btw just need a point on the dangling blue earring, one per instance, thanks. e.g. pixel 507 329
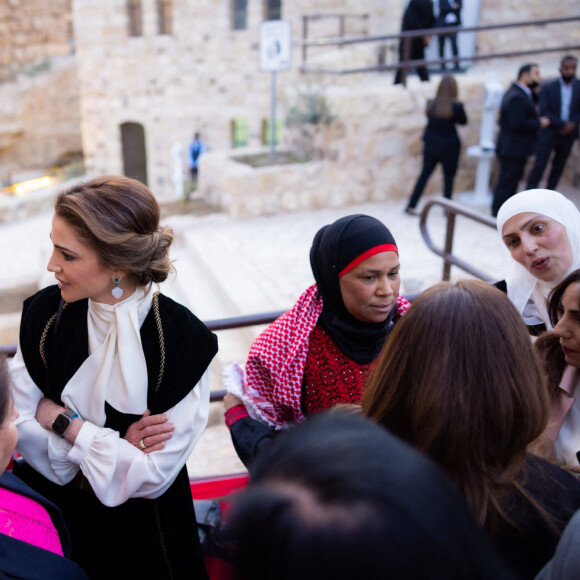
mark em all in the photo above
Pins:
pixel 116 291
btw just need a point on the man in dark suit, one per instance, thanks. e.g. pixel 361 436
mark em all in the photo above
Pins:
pixel 518 127
pixel 560 102
pixel 418 16
pixel 449 15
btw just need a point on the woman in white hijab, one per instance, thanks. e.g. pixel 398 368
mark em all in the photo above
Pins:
pixel 541 229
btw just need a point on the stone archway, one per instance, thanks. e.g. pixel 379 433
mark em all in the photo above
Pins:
pixel 134 151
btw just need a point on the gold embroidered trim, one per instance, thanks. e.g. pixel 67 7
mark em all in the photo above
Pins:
pixel 159 330
pixel 45 333
pixel 161 340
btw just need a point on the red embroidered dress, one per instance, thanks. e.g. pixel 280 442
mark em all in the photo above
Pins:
pixel 330 377
pixel 270 384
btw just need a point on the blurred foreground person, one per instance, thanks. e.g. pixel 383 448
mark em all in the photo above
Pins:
pixel 339 497
pixel 465 386
pixel 33 534
pixel 565 565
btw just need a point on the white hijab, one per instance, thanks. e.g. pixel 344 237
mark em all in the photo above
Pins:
pixel 522 287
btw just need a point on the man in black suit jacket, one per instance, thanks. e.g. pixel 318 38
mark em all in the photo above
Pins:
pixel 518 126
pixel 449 15
pixel 560 102
pixel 418 16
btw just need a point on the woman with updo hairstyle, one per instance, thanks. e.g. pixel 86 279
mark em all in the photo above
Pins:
pixel 459 380
pixel 106 378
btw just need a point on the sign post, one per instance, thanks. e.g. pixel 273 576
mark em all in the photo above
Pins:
pixel 275 52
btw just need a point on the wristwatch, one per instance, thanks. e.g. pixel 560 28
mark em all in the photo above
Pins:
pixel 61 423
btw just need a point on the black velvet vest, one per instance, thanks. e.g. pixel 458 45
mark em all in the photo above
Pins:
pixel 141 538
pixel 187 344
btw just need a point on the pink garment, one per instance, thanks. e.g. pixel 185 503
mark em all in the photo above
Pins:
pixel 560 405
pixel 24 519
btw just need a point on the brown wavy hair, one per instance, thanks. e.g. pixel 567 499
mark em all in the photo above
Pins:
pixel 118 218
pixel 548 346
pixel 442 105
pixel 460 380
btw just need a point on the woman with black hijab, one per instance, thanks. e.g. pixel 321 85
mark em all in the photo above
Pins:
pixel 318 354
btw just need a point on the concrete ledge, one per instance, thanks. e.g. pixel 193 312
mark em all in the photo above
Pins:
pixel 245 192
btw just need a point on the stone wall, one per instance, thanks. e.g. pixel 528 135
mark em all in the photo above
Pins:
pixel 204 75
pixel 373 148
pixel 39 118
pixel 513 39
pixel 200 77
pixel 39 97
pixel 32 32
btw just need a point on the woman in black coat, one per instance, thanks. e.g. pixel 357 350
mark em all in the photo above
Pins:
pixel 418 16
pixel 442 144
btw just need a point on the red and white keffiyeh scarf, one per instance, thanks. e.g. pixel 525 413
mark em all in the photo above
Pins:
pixel 270 385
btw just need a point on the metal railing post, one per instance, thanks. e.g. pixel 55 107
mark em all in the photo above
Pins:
pixel 304 38
pixel 406 56
pixel 449 233
pixel 453 209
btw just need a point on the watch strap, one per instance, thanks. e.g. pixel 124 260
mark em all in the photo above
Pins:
pixel 71 414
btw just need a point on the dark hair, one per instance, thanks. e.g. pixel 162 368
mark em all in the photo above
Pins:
pixel 548 344
pixel 5 395
pixel 460 380
pixel 118 218
pixel 567 58
pixel 526 69
pixel 442 105
pixel 555 309
pixel 339 497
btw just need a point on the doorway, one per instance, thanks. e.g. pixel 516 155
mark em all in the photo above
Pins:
pixel 134 152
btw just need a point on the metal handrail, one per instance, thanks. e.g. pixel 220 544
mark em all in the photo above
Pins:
pixel 405 64
pixel 453 209
pixel 220 324
pixel 341 17
pixel 242 321
pixel 238 322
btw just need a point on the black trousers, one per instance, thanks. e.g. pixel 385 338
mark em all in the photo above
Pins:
pixel 448 158
pixel 417 53
pixel 549 141
pixel 453 40
pixel 511 170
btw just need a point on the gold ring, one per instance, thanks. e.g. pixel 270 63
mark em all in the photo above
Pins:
pixel 142 443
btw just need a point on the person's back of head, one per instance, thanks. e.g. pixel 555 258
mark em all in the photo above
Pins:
pixel 340 497
pixel 461 381
pixel 442 105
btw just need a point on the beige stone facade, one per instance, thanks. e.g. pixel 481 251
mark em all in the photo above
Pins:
pixel 32 32
pixel 204 74
pixel 39 97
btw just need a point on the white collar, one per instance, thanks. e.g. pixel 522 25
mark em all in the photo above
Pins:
pixel 116 370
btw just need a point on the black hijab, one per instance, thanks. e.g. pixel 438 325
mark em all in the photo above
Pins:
pixel 341 246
